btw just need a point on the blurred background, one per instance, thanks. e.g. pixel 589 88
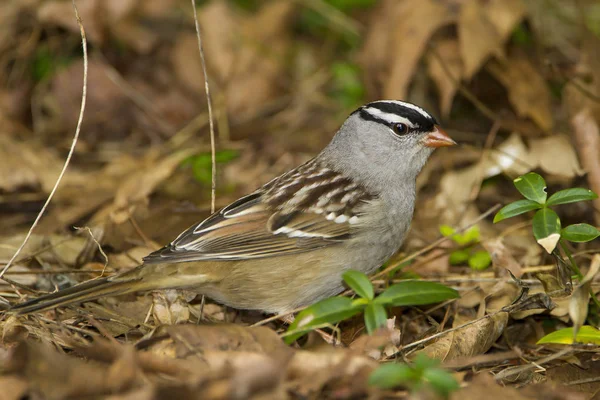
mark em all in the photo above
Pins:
pixel 515 82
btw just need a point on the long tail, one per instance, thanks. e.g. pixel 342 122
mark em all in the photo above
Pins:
pixel 86 291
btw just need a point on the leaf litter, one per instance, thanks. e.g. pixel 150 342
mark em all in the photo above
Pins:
pixel 130 185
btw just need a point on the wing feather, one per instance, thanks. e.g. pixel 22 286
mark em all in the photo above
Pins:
pixel 286 216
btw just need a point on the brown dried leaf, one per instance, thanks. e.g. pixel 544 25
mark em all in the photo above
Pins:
pixel 448 76
pixel 410 40
pixel 101 17
pixel 527 89
pixel 58 376
pixel 473 339
pixel 556 156
pixel 13 388
pixel 253 67
pixel 65 249
pixel 136 188
pixel 170 308
pixel 484 386
pixel 502 259
pixel 587 137
pixel 382 343
pixel 483 27
pixel 587 373
pixel 375 55
pixel 58 12
pixel 27 164
pixel 190 339
pixel 188 68
pixel 578 305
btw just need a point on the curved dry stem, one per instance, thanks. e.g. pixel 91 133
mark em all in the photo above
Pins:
pixel 71 150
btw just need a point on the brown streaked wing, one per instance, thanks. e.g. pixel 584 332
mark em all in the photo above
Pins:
pixel 237 233
pixel 307 208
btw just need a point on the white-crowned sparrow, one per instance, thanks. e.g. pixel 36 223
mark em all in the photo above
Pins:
pixel 287 244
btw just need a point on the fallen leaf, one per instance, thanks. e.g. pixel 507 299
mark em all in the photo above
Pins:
pixel 502 259
pixel 136 188
pixel 409 42
pixel 27 164
pixel 470 340
pixel 446 77
pixel 13 388
pixel 62 249
pixel 57 12
pixel 587 373
pixel 587 137
pixel 483 27
pixel 556 156
pixel 375 55
pixel 254 67
pixel 169 308
pixel 527 89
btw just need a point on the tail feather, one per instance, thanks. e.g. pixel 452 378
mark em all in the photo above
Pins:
pixel 86 291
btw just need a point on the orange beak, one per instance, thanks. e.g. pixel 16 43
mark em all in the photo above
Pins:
pixel 438 138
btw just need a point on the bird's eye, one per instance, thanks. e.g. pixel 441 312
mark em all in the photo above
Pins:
pixel 400 129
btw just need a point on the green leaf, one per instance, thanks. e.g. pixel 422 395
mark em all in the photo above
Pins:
pixel 422 362
pixel 587 335
pixel 414 293
pixel 388 376
pixel 580 233
pixel 471 235
pixel 446 230
pixel 571 196
pixel 546 228
pixel 441 381
pixel 480 260
pixel 459 257
pixel 375 317
pixel 347 83
pixel 202 163
pixel 532 186
pixel 516 208
pixel 328 311
pixel 360 283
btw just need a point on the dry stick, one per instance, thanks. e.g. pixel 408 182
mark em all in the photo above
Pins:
pixel 213 187
pixel 437 335
pixel 71 150
pixel 213 155
pixel 86 228
pixel 504 374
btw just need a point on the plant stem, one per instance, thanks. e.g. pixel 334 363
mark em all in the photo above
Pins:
pixel 571 259
pixel 577 271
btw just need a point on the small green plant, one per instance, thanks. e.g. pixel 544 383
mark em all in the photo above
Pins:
pixel 423 373
pixel 468 253
pixel 546 223
pixel 201 164
pixel 348 88
pixel 335 309
pixel 549 233
pixel 586 334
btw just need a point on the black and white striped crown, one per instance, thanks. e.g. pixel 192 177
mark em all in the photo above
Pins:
pixel 391 112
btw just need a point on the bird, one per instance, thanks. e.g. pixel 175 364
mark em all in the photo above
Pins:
pixel 287 244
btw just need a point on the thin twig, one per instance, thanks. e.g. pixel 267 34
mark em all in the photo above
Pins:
pixel 86 228
pixel 71 150
pixel 213 187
